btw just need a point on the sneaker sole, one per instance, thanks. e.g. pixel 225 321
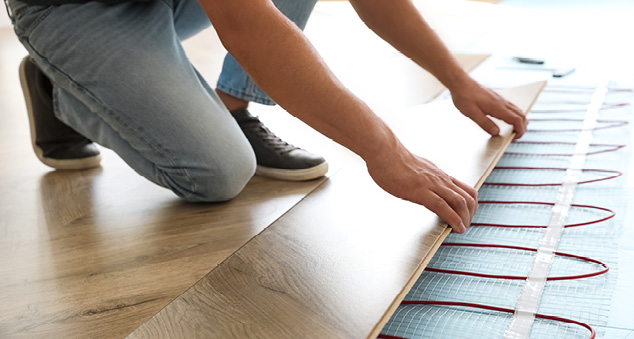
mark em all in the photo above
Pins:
pixel 293 174
pixel 62 164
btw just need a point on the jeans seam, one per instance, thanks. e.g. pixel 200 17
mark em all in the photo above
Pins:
pixel 125 124
pixel 37 22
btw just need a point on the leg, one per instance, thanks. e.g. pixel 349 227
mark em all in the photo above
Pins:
pixel 235 83
pixel 122 78
pixel 55 144
pixel 275 157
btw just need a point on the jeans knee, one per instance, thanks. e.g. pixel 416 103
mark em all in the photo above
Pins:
pixel 217 182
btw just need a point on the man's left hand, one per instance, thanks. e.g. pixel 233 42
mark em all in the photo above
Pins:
pixel 478 103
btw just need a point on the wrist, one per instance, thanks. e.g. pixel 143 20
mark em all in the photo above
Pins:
pixel 457 81
pixel 386 153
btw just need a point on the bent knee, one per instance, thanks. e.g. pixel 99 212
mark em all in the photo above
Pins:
pixel 217 182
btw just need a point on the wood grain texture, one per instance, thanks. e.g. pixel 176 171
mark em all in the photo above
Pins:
pixel 95 253
pixel 86 267
pixel 333 265
pixel 92 254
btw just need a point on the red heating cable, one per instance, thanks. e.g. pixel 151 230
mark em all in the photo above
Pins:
pixel 489 308
pixel 611 148
pixel 484 202
pixel 515 277
pixel 616 174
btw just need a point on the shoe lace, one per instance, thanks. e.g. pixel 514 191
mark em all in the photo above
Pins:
pixel 257 128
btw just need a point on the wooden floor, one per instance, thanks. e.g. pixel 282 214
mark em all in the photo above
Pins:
pixel 96 253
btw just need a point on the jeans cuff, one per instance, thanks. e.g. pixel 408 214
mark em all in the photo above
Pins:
pixel 246 95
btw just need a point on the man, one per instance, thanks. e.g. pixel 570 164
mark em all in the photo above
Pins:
pixel 120 77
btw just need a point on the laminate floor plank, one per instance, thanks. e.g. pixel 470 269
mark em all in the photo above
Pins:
pixel 123 262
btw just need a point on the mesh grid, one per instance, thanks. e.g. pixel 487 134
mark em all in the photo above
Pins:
pixel 505 193
pixel 450 287
pixel 543 328
pixel 542 176
pixel 553 148
pixel 525 214
pixel 428 321
pixel 490 260
pixel 485 235
pixel 564 125
pixel 526 176
pixel 586 300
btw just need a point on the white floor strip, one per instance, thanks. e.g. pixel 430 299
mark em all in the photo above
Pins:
pixel 528 302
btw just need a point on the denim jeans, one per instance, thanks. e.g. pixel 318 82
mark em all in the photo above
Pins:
pixel 122 79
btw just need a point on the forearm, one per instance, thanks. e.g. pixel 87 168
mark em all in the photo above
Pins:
pixel 282 62
pixel 400 24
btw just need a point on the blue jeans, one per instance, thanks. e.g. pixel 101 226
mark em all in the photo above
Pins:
pixel 123 80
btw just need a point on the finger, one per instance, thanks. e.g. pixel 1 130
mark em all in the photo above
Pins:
pixel 521 114
pixel 470 194
pixel 516 110
pixel 441 208
pixel 517 121
pixel 485 123
pixel 507 112
pixel 456 201
pixel 470 190
pixel 514 116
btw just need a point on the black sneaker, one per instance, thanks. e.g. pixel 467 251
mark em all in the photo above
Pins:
pixel 275 157
pixel 55 143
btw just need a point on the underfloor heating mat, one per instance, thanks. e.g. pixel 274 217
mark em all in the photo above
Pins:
pixel 540 259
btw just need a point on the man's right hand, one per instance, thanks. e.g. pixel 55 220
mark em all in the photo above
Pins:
pixel 418 180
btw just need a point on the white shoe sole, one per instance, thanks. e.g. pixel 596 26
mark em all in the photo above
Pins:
pixel 293 174
pixel 62 164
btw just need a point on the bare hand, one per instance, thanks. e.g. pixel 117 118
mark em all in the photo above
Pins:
pixel 418 180
pixel 477 103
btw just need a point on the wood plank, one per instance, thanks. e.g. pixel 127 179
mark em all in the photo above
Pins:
pixel 333 265
pixel 88 268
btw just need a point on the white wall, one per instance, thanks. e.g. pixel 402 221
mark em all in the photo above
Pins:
pixel 4 18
